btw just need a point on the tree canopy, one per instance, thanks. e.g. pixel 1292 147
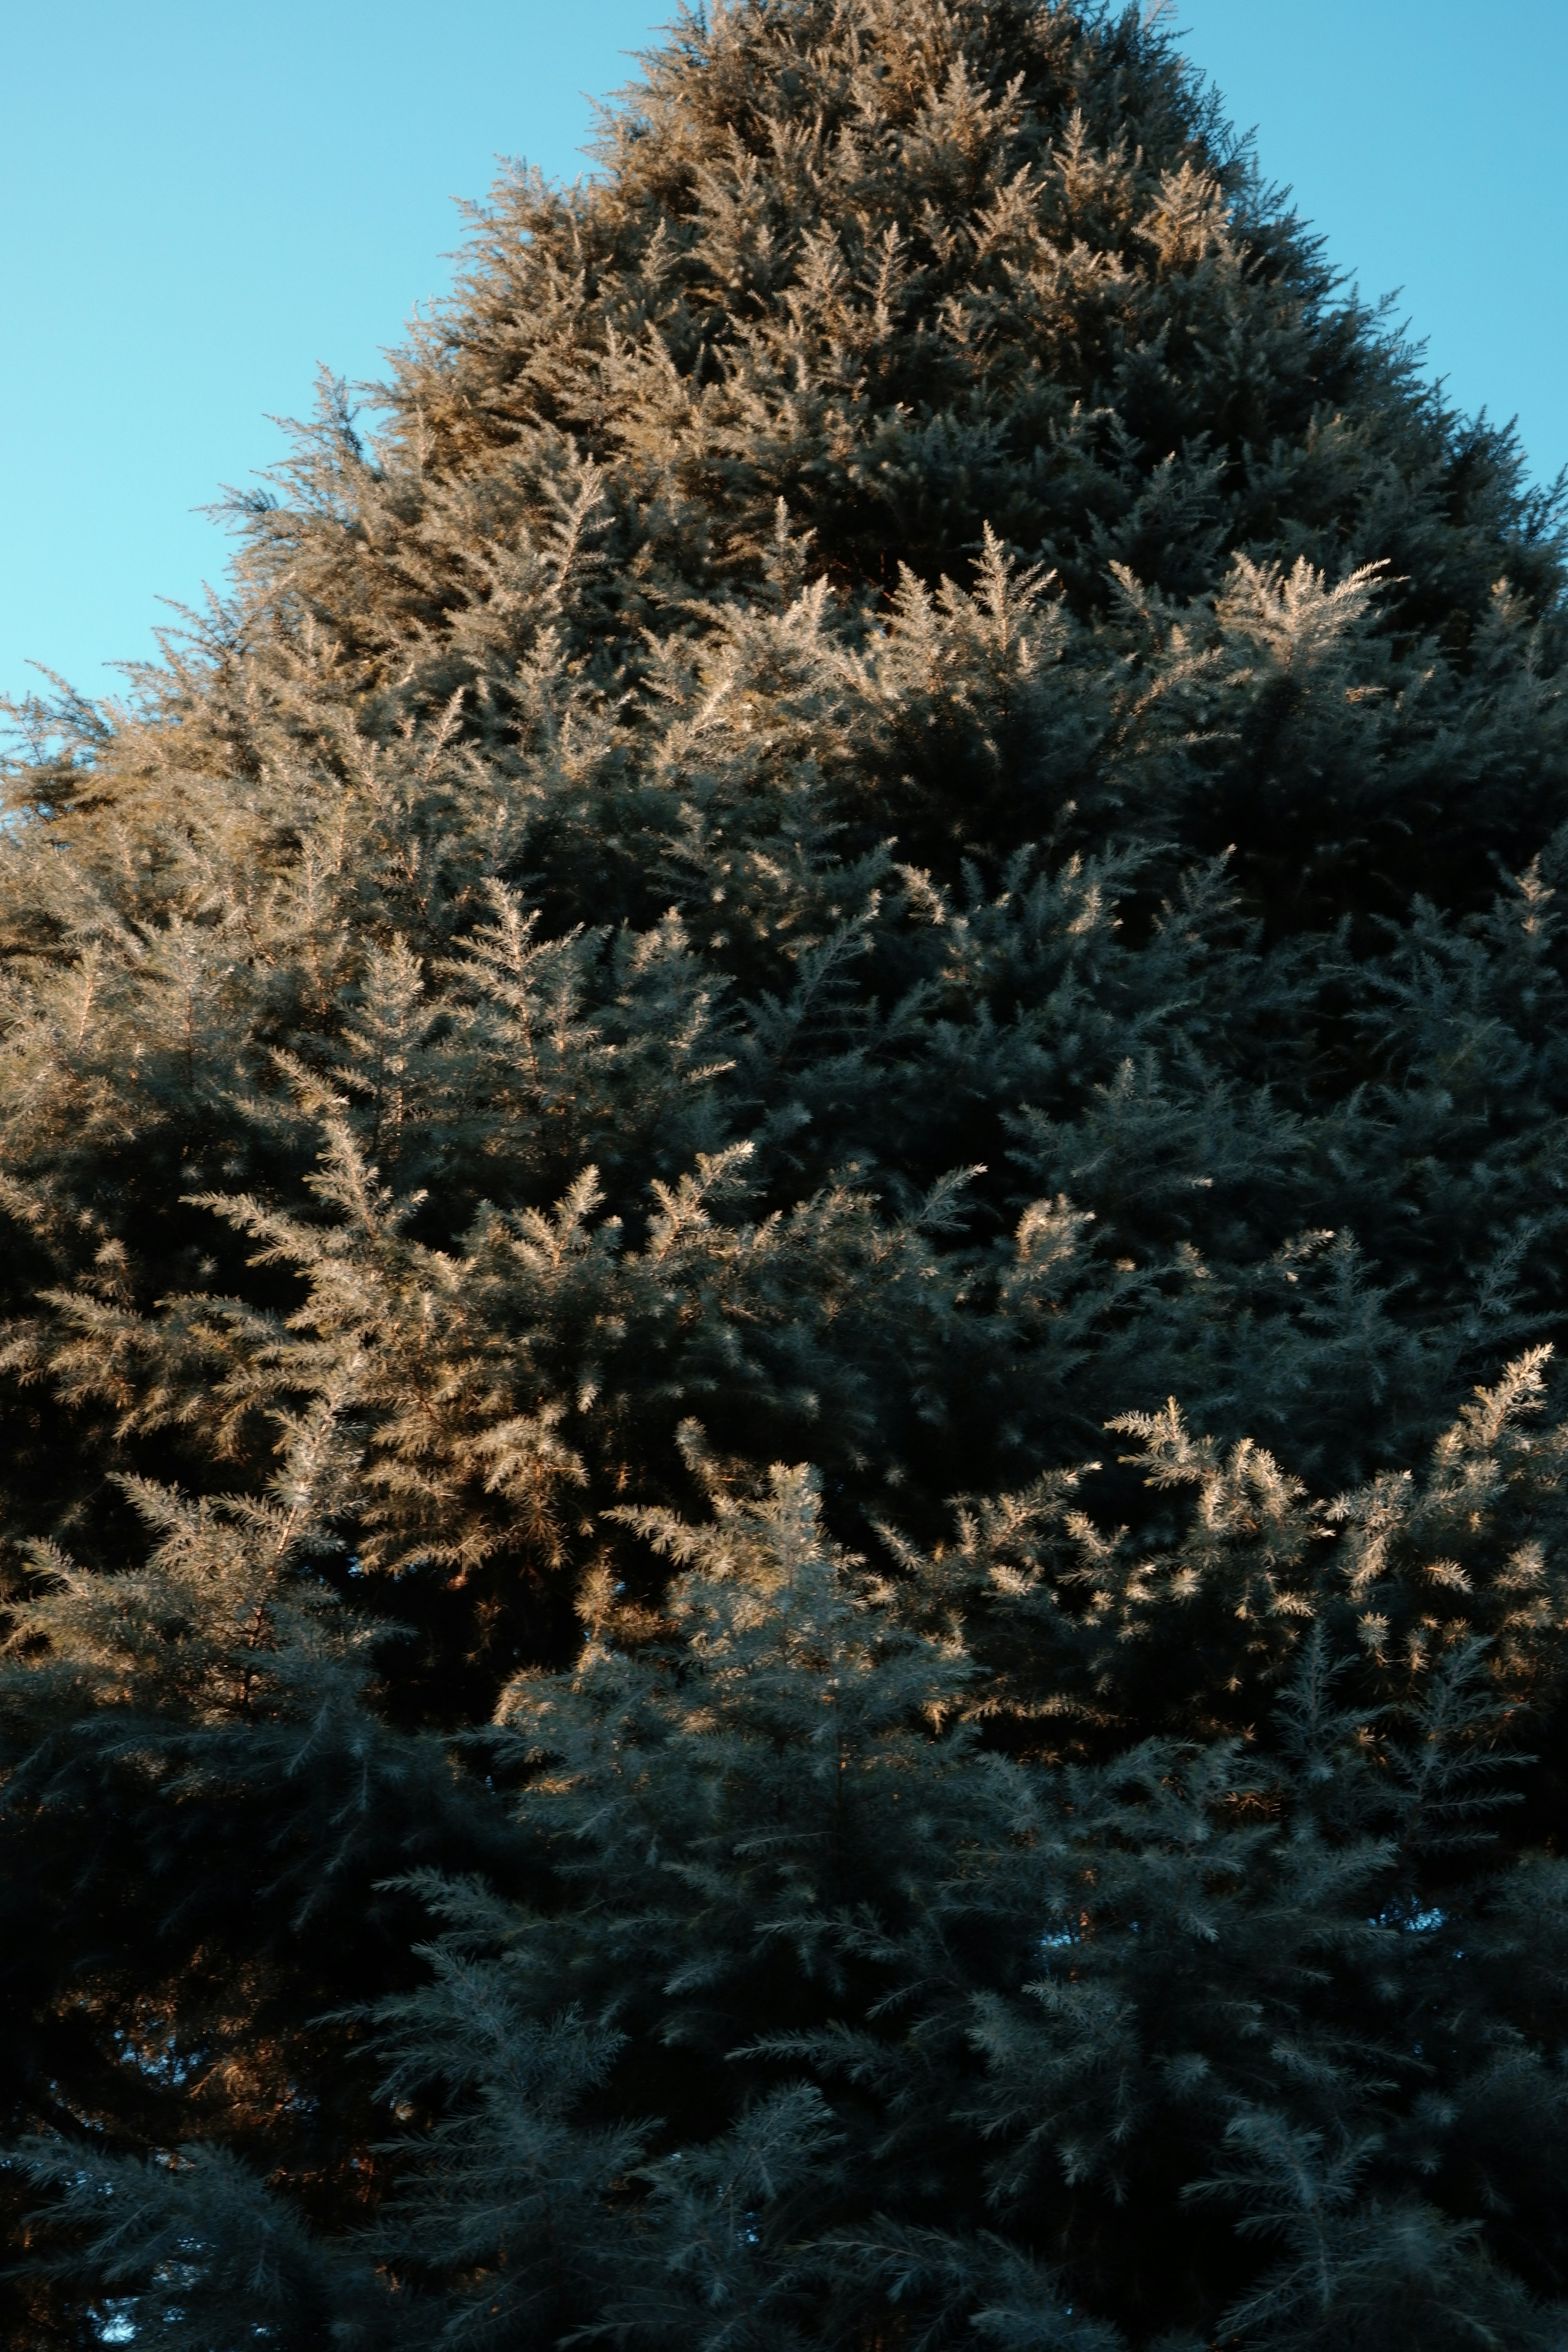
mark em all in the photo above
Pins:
pixel 784 1161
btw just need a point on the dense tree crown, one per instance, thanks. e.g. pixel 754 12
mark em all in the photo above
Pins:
pixel 786 1194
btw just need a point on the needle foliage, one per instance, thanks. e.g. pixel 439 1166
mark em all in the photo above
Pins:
pixel 787 1197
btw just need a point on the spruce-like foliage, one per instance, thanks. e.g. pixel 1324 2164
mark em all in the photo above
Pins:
pixel 903 820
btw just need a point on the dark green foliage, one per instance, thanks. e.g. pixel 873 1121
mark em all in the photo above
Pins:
pixel 905 817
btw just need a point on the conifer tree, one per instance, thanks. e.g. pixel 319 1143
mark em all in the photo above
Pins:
pixel 787 1194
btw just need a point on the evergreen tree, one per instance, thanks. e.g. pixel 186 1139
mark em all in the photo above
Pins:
pixel 905 818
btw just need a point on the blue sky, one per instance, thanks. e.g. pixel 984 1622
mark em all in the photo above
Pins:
pixel 202 202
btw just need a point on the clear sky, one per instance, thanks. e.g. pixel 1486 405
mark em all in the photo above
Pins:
pixel 200 201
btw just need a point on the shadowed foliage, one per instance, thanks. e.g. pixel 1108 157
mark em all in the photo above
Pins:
pixel 785 1169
